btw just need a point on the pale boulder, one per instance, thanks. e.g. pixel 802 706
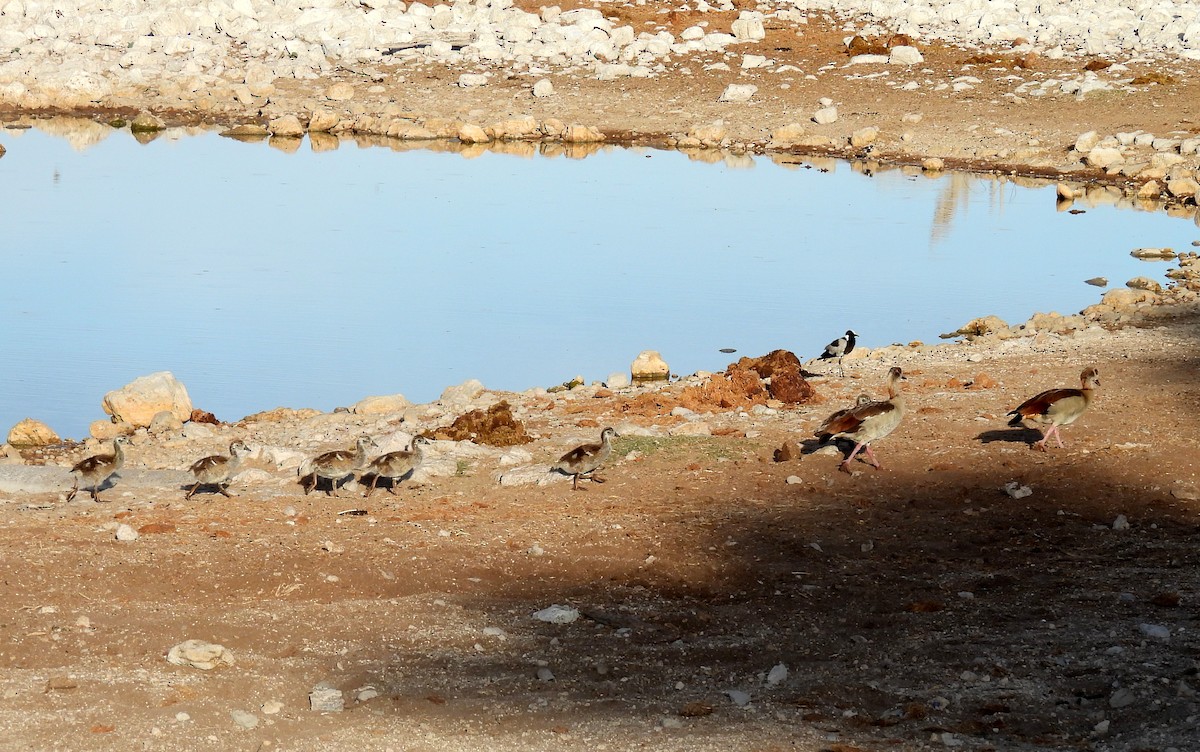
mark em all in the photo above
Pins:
pixel 905 55
pixel 1144 283
pixel 322 121
pixel 543 88
pixel 381 405
pixel 340 92
pixel 825 116
pixel 140 400
pixel 31 433
pixel 650 366
pixel 1104 156
pixel 864 137
pixel 786 136
pixel 165 422
pixel 1124 299
pixel 104 430
pixel 199 654
pixel 748 27
pixel 738 93
pixel 288 126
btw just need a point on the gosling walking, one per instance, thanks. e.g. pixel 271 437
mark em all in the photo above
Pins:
pixel 218 470
pixel 93 472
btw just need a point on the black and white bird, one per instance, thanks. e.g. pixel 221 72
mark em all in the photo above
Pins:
pixel 840 348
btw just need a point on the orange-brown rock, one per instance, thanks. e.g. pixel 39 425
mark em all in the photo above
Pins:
pixel 782 367
pixel 788 452
pixel 495 426
pixel 203 416
pixel 767 365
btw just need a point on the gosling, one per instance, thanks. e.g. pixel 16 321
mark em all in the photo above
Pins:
pixel 336 466
pixel 395 465
pixel 586 459
pixel 218 470
pixel 94 472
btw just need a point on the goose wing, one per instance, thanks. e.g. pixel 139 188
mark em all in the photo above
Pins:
pixel 1040 404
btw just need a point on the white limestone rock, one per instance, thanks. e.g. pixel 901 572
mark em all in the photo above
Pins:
pixel 825 116
pixel 380 405
pixel 738 93
pixel 543 88
pixel 748 27
pixel 200 654
pixel 905 55
pixel 140 400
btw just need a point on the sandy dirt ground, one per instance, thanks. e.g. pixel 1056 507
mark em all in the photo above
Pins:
pixel 915 607
pixel 918 606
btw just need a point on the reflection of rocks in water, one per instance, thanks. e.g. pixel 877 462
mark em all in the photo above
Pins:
pixel 739 161
pixel 285 144
pixel 321 142
pixel 524 149
pixel 80 133
pixel 495 427
pixel 145 137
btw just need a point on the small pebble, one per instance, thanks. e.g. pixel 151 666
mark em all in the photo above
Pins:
pixel 244 719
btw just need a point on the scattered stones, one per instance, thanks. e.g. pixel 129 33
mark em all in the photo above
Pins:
pixel 933 164
pixel 617 380
pixel 905 55
pixel 1016 490
pixel 340 92
pixel 139 401
pixel 544 674
pixel 32 433
pixel 543 89
pixel 1120 523
pixel 199 654
pixel 125 533
pixel 470 80
pixel 1097 281
pixel 557 614
pixel 748 27
pixel 326 698
pixel 793 480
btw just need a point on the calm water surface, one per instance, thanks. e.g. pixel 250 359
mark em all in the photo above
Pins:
pixel 263 278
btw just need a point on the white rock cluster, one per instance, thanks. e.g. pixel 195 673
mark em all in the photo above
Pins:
pixel 99 50
pixel 1091 27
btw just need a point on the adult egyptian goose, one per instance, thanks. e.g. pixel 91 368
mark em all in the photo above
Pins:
pixel 396 465
pixel 586 459
pixel 93 472
pixel 218 469
pixel 1055 408
pixel 337 465
pixel 867 422
pixel 840 348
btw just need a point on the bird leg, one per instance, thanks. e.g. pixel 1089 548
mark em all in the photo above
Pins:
pixel 595 478
pixel 845 466
pixel 74 490
pixel 224 492
pixel 308 487
pixel 575 483
pixel 1057 437
pixel 871 456
pixel 841 371
pixel 189 493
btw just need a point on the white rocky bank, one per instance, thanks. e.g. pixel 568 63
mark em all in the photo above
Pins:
pixel 81 52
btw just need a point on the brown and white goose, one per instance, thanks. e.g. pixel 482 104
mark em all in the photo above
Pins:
pixel 865 423
pixel 218 469
pixel 337 465
pixel 1055 408
pixel 93 472
pixel 396 465
pixel 586 459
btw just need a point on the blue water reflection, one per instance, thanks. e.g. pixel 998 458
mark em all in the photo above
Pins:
pixel 262 278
